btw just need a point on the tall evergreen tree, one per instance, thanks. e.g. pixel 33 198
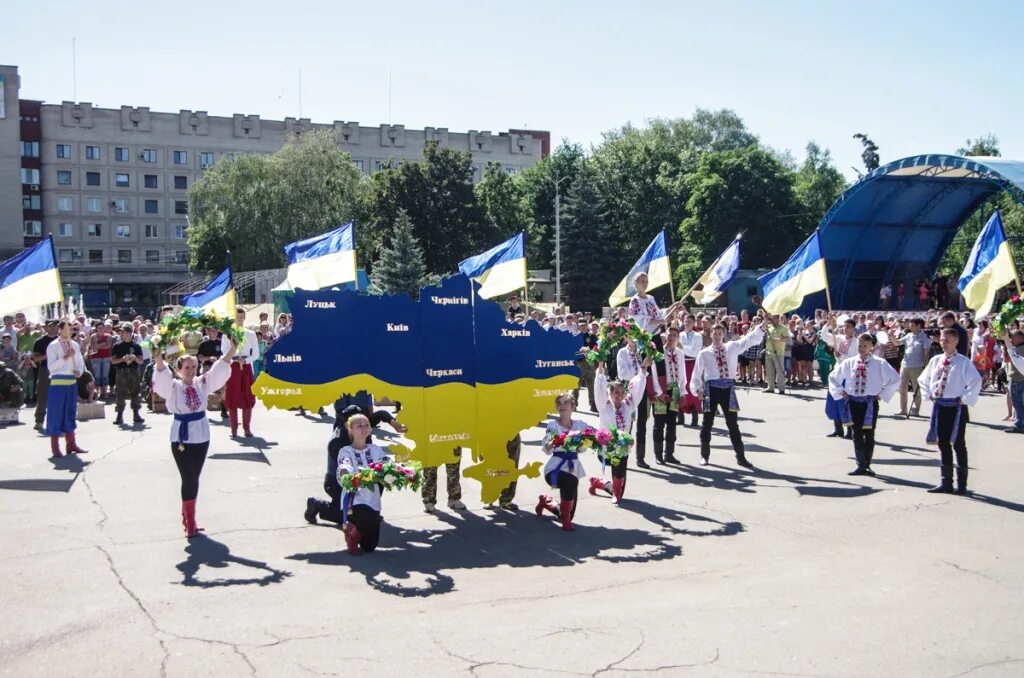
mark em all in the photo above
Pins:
pixel 400 267
pixel 588 263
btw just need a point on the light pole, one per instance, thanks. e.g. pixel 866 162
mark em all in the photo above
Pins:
pixel 558 240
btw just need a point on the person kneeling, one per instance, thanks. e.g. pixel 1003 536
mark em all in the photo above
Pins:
pixel 563 469
pixel 362 507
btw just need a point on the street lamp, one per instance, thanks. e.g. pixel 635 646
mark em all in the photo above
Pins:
pixel 558 240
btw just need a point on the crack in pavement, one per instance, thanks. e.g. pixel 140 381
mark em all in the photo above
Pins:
pixel 88 487
pixel 997 662
pixel 978 574
pixel 639 646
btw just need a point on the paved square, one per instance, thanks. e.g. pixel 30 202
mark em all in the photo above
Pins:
pixel 791 569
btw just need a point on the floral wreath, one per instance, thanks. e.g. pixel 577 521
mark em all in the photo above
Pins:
pixel 1009 313
pixel 194 320
pixel 614 332
pixel 611 444
pixel 388 475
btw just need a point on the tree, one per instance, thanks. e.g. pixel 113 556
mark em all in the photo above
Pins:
pixel 254 205
pixel 537 185
pixel 501 198
pixel 987 145
pixel 747 190
pixel 588 264
pixel 870 153
pixel 438 196
pixel 400 267
pixel 818 183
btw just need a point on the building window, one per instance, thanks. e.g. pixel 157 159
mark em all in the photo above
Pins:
pixel 94 230
pixel 152 256
pixel 64 230
pixel 65 204
pixel 30 176
pixel 206 159
pixel 511 171
pixel 63 177
pixel 122 180
pixel 92 178
pixel 181 256
pixel 92 152
pixel 95 256
pixel 180 183
pixel 358 164
pixel 30 149
pixel 149 181
pixel 380 165
pixel 148 155
pixel 179 231
pixel 123 230
pixel 124 256
pixel 94 205
pixel 121 206
pixel 151 230
pixel 152 207
pixel 64 151
pixel 33 229
pixel 181 206
pixel 65 256
pixel 181 157
pixel 30 202
pixel 121 154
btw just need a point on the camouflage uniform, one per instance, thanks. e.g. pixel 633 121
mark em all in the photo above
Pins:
pixel 429 489
pixel 9 381
pixel 513 447
pixel 587 375
pixel 128 387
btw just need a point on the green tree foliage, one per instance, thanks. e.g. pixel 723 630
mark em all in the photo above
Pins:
pixel 745 189
pixel 818 183
pixel 537 186
pixel 587 261
pixel 869 156
pixel 400 267
pixel 256 204
pixel 502 200
pixel 987 145
pixel 1012 214
pixel 438 196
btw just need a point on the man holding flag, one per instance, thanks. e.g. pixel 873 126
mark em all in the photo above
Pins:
pixel 499 270
pixel 989 267
pixel 719 275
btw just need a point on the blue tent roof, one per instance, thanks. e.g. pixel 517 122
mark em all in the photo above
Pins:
pixel 896 223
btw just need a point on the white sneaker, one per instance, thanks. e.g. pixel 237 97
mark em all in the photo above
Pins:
pixel 428 507
pixel 456 505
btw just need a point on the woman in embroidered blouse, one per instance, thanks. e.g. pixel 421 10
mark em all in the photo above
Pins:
pixel 362 507
pixel 644 309
pixel 616 406
pixel 66 365
pixel 563 470
pixel 186 399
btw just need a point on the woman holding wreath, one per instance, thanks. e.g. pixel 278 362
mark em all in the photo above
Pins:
pixel 186 398
pixel 563 470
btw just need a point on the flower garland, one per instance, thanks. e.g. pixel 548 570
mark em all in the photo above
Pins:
pixel 194 320
pixel 612 444
pixel 1011 310
pixel 614 332
pixel 388 475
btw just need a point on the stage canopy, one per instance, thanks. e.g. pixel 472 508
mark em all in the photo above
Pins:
pixel 896 223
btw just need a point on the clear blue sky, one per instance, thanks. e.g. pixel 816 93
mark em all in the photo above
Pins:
pixel 915 76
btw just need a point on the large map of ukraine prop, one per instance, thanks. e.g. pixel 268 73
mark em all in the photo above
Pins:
pixel 466 377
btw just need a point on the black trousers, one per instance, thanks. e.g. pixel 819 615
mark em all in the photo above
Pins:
pixel 863 439
pixel 641 429
pixel 331 510
pixel 367 521
pixel 944 429
pixel 720 398
pixel 664 434
pixel 190 465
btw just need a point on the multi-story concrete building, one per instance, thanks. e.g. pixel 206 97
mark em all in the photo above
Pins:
pixel 111 184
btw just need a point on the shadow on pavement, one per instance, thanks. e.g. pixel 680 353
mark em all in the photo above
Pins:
pixel 415 563
pixel 666 517
pixel 243 456
pixel 39 484
pixel 996 501
pixel 206 552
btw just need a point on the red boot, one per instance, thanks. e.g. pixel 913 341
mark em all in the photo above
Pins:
pixel 55 447
pixel 73 447
pixel 233 418
pixel 188 510
pixel 565 513
pixel 246 422
pixel 596 484
pixel 352 537
pixel 545 502
pixel 618 487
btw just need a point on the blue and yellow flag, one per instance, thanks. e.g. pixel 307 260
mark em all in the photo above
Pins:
pixel 719 275
pixel 654 261
pixel 324 260
pixel 499 270
pixel 30 279
pixel 802 274
pixel 218 297
pixel 989 267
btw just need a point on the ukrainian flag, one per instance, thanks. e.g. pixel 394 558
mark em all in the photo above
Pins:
pixel 218 297
pixel 654 262
pixel 30 279
pixel 499 270
pixel 989 267
pixel 804 273
pixel 720 274
pixel 324 260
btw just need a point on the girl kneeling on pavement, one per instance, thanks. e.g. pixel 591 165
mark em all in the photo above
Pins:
pixel 564 469
pixel 361 508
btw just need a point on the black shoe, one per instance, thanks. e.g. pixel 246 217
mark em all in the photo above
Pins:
pixel 119 420
pixel 660 460
pixel 693 420
pixel 869 472
pixel 312 509
pixel 962 491
pixel 642 464
pixel 942 488
pixel 137 418
pixel 858 472
pixel 849 434
pixel 223 414
pixel 834 434
pixel 670 459
pixel 744 462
